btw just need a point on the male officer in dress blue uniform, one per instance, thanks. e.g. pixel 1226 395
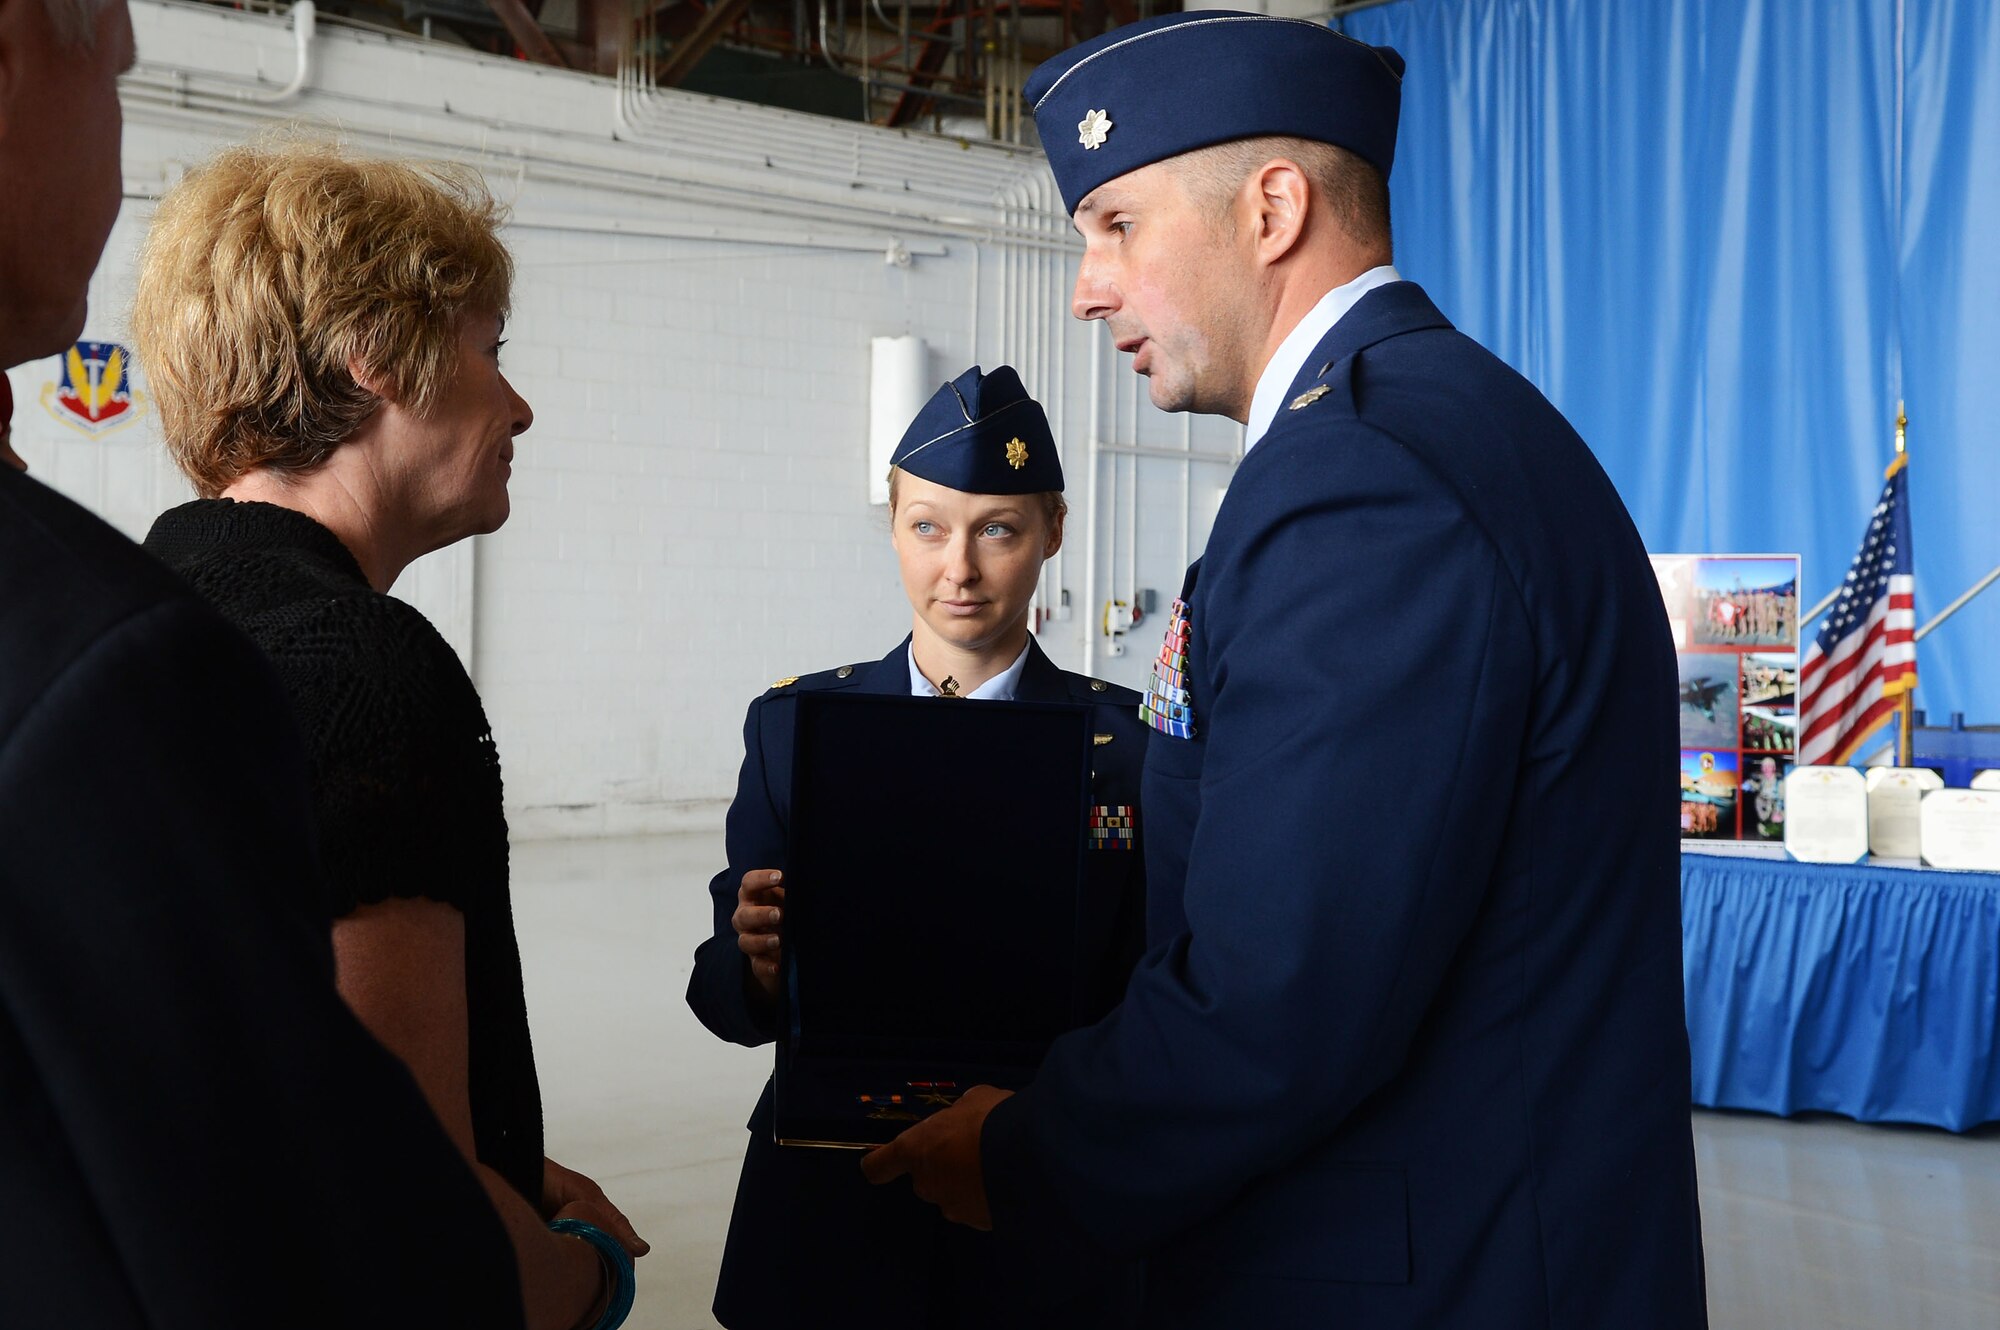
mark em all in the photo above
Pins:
pixel 810 1243
pixel 1407 1048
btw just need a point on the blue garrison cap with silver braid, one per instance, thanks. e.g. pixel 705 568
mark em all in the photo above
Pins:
pixel 1168 85
pixel 983 434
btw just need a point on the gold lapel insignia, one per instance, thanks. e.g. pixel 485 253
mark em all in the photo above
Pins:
pixel 1017 454
pixel 1309 396
pixel 1099 740
pixel 786 682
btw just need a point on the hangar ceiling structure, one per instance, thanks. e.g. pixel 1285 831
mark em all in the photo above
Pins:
pixel 953 66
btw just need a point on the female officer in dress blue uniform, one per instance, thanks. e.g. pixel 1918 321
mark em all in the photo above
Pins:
pixel 976 507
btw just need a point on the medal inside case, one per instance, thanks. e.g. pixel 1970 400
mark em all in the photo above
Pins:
pixel 932 889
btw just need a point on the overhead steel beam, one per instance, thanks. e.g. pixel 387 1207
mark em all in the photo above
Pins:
pixel 689 50
pixel 604 27
pixel 928 67
pixel 527 33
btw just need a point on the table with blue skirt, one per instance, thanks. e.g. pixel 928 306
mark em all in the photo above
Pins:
pixel 1865 990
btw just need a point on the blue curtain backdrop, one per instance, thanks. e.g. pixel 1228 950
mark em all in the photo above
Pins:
pixel 1683 220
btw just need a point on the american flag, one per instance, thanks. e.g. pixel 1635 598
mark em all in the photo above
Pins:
pixel 1865 657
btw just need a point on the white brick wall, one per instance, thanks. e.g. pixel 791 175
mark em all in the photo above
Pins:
pixel 690 509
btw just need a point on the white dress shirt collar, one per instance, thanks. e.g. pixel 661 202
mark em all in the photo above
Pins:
pixel 1000 688
pixel 1291 355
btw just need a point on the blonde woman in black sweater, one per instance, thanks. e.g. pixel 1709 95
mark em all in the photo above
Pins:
pixel 323 335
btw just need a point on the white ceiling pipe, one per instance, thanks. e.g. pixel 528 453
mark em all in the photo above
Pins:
pixel 732 232
pixel 794 140
pixel 305 19
pixel 966 162
pixel 811 145
pixel 1059 357
pixel 918 162
pixel 795 146
pixel 169 102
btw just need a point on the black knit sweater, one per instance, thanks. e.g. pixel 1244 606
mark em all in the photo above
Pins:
pixel 406 781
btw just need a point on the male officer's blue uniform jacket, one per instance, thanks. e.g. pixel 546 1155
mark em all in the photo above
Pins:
pixel 810 1242
pixel 1407 1048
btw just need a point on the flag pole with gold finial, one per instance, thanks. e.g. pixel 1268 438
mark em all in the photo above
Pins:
pixel 1905 705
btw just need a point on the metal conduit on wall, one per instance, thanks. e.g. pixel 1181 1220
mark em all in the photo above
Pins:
pixel 881 172
pixel 175 101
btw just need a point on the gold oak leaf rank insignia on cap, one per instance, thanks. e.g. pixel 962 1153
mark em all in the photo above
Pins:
pixel 982 434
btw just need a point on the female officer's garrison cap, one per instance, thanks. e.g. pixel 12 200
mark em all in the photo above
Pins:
pixel 1168 85
pixel 983 434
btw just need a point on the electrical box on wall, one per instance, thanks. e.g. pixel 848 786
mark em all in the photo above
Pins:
pixel 898 386
pixel 1122 616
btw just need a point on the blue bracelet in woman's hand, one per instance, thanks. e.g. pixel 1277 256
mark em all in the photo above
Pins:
pixel 617 1264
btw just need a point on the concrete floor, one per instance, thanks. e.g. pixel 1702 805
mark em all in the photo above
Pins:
pixel 1811 1225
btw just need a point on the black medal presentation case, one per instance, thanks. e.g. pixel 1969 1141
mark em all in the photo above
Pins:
pixel 931 903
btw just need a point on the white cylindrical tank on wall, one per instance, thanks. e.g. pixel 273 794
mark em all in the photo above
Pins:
pixel 898 386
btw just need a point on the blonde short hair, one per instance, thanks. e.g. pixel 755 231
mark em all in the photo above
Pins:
pixel 274 271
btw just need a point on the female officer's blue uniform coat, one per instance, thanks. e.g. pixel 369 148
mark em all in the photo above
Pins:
pixel 810 1242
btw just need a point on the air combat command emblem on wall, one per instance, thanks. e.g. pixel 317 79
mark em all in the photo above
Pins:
pixel 93 392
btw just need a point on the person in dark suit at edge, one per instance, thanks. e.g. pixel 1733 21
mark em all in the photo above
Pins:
pixel 1422 1069
pixel 975 499
pixel 195 1134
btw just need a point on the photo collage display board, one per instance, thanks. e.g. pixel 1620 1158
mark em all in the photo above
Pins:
pixel 1735 620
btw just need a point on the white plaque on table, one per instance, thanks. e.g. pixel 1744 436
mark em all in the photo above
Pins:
pixel 1986 780
pixel 1826 815
pixel 1895 794
pixel 1961 829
